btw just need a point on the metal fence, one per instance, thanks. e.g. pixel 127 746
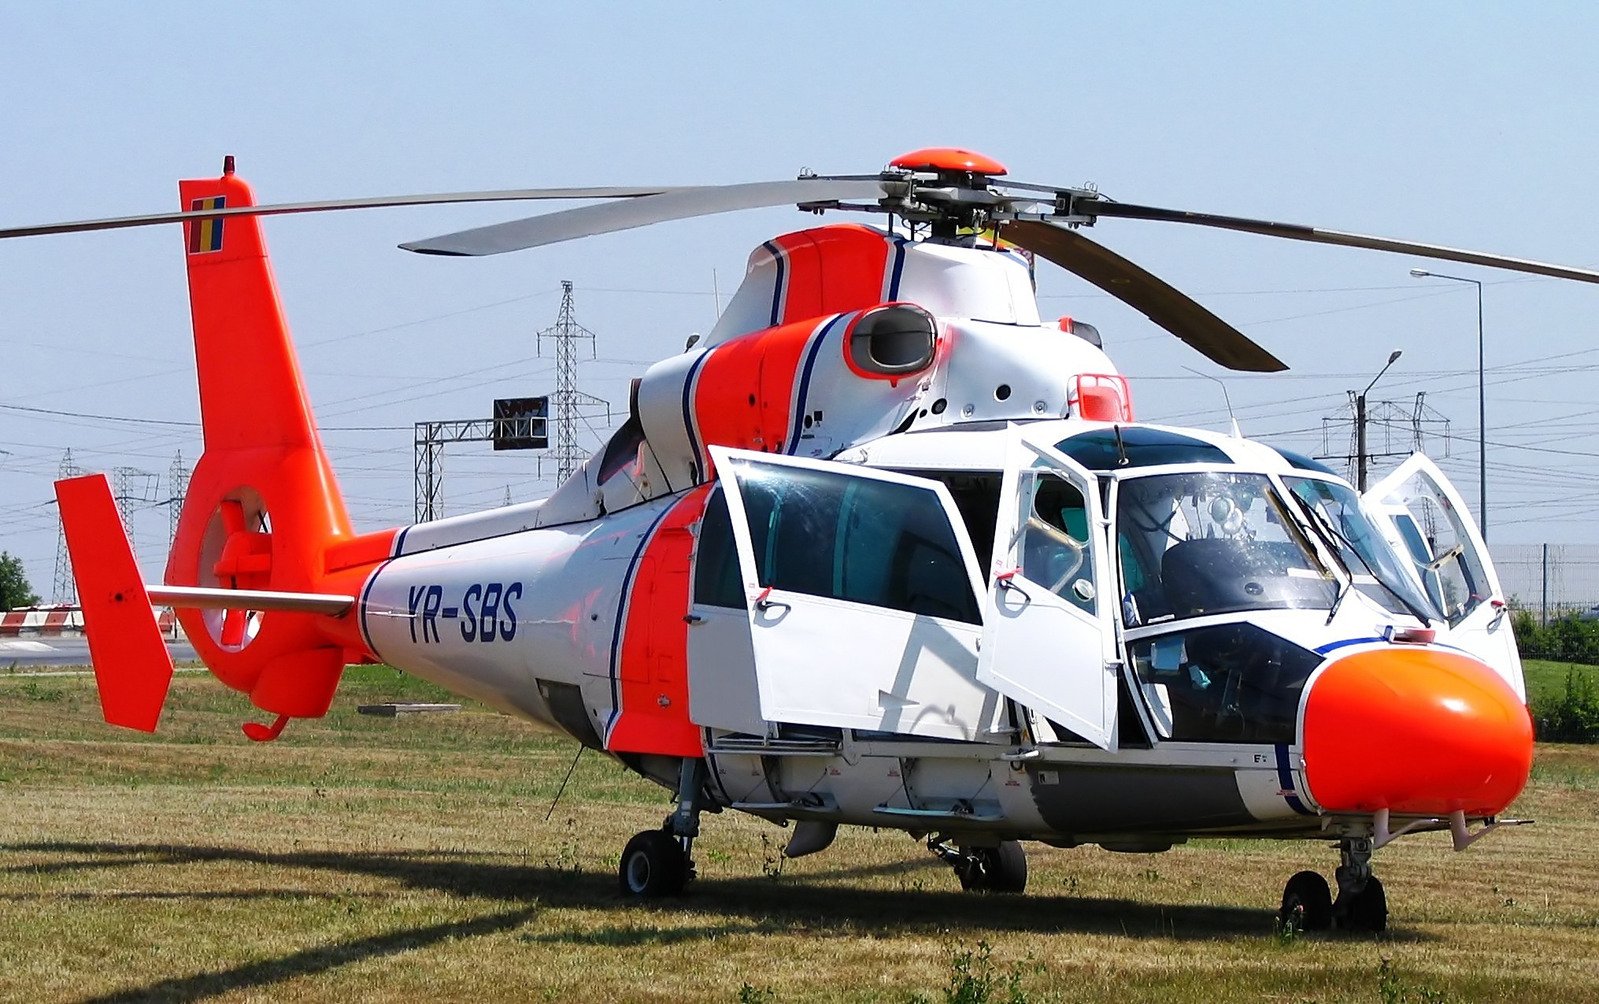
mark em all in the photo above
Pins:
pixel 1550 580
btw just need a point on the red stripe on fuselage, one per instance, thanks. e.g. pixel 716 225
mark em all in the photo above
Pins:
pixel 653 663
pixel 744 393
pixel 830 270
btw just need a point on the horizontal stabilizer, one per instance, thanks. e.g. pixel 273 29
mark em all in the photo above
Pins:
pixel 131 664
pixel 206 598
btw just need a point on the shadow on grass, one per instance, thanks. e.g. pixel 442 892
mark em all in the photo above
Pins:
pixel 313 960
pixel 771 905
pixel 198 895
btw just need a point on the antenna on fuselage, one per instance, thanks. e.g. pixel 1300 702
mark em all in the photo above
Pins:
pixel 1224 396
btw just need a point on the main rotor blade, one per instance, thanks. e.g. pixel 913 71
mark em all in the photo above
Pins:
pixel 1315 235
pixel 1161 302
pixel 679 204
pixel 281 209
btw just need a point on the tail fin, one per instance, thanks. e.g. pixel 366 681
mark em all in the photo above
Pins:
pixel 263 509
pixel 131 664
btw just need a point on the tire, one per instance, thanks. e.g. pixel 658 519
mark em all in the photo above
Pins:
pixel 1366 912
pixel 1001 869
pixel 1307 904
pixel 653 865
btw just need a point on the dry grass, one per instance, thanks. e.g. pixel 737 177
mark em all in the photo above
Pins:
pixel 376 859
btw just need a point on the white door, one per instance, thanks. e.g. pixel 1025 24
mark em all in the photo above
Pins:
pixel 862 592
pixel 1048 637
pixel 1424 516
pixel 721 662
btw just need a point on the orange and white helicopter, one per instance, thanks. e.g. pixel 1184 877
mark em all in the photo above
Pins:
pixel 886 548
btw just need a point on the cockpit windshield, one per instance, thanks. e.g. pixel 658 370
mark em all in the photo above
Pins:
pixel 1211 542
pixel 1375 568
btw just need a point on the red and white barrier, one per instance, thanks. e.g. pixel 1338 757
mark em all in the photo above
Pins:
pixel 56 621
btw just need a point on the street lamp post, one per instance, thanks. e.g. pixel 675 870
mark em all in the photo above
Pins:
pixel 1482 402
pixel 1360 422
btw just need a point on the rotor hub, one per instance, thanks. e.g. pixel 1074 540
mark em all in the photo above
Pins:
pixel 950 161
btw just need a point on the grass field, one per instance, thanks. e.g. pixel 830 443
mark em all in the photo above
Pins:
pixel 410 859
pixel 1547 679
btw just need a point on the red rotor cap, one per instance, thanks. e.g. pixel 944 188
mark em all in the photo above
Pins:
pixel 1416 731
pixel 949 158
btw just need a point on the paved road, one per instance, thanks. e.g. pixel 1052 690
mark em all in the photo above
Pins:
pixel 28 653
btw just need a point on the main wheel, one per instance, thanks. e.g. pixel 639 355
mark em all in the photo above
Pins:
pixel 1307 904
pixel 1365 911
pixel 994 869
pixel 653 864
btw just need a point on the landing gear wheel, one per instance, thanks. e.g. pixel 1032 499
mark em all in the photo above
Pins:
pixel 994 869
pixel 653 865
pixel 1365 911
pixel 1307 904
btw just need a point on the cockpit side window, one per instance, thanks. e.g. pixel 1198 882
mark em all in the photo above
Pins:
pixel 1055 547
pixel 1375 566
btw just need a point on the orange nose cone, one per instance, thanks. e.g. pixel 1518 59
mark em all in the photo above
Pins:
pixel 1415 731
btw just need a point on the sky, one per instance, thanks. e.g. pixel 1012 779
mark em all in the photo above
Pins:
pixel 1463 124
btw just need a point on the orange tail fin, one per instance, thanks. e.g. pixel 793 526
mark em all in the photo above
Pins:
pixel 131 664
pixel 263 509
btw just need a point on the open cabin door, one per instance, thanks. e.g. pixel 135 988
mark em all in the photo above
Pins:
pixel 861 595
pixel 1424 516
pixel 1049 641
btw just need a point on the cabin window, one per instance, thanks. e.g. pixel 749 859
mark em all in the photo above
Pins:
pixel 857 539
pixel 976 495
pixel 716 578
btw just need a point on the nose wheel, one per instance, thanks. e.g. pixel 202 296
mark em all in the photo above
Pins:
pixel 1307 904
pixel 1361 906
pixel 1364 911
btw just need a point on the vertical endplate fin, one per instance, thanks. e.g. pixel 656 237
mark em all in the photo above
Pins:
pixel 132 666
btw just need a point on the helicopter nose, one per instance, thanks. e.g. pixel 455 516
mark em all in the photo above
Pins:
pixel 1415 731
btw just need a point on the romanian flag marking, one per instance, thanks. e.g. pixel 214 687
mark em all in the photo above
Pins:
pixel 206 235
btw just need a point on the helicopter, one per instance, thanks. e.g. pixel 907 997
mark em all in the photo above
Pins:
pixel 885 548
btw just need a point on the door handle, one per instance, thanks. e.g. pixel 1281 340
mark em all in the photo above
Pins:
pixel 764 602
pixel 693 619
pixel 1003 581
